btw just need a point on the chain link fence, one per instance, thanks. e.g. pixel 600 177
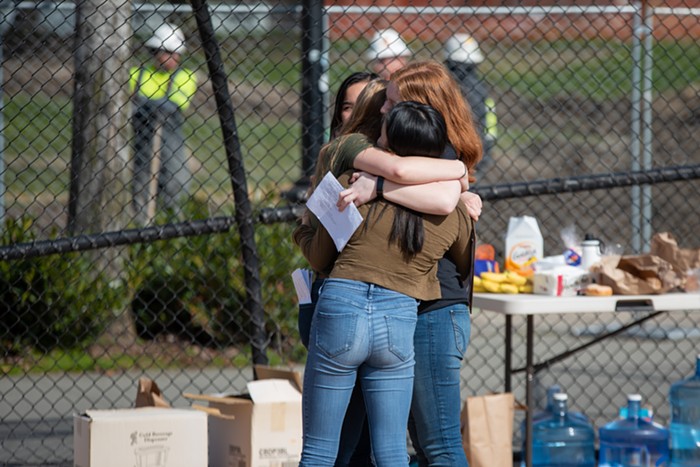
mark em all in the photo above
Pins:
pixel 591 123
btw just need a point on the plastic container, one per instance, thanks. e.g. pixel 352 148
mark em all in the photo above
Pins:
pixel 633 441
pixel 548 411
pixel 563 440
pixel 524 245
pixel 685 420
pixel 591 251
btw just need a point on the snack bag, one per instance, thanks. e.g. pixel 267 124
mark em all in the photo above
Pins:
pixel 572 245
pixel 485 259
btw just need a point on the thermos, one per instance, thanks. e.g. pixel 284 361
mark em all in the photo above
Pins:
pixel 591 251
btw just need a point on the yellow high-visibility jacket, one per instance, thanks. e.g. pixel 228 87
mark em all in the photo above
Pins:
pixel 154 84
pixel 491 124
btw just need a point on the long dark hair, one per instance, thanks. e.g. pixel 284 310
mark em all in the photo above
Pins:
pixel 365 119
pixel 354 78
pixel 366 116
pixel 413 129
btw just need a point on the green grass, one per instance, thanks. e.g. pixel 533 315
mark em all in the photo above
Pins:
pixel 593 69
pixel 37 154
pixel 38 128
pixel 270 151
pixel 37 144
pixel 61 360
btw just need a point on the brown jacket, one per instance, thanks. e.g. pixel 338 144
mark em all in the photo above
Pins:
pixel 369 257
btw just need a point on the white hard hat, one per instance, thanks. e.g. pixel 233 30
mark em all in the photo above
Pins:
pixel 463 48
pixel 169 38
pixel 387 44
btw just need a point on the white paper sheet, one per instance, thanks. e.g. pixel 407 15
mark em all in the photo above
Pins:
pixel 340 225
pixel 302 284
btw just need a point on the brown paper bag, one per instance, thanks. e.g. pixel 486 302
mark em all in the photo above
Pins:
pixel 666 268
pixel 148 394
pixel 487 430
pixel 637 274
pixel 684 261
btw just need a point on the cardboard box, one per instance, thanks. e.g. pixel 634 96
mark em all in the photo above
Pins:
pixel 262 428
pixel 563 281
pixel 143 437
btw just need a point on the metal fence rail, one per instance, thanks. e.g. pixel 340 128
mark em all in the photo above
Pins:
pixel 597 108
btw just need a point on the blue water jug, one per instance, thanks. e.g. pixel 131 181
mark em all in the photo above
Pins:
pixel 685 420
pixel 548 409
pixel 633 441
pixel 548 412
pixel 538 416
pixel 563 440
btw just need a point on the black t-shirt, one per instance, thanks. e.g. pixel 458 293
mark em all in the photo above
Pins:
pixel 452 288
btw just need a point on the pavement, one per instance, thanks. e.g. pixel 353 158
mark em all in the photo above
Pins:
pixel 36 411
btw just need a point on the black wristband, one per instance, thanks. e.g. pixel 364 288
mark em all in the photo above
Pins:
pixel 380 187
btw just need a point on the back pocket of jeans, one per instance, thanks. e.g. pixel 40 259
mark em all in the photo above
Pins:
pixel 461 325
pixel 400 330
pixel 335 332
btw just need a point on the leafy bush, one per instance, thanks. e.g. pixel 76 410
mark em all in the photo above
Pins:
pixel 184 287
pixel 194 288
pixel 191 287
pixel 278 258
pixel 56 301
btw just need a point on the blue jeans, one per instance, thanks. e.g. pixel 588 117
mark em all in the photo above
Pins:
pixel 354 449
pixel 441 340
pixel 364 329
pixel 306 313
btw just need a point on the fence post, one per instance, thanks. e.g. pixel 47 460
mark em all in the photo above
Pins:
pixel 640 145
pixel 312 87
pixel 243 215
pixel 7 12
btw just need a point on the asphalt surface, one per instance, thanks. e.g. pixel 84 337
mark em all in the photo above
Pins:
pixel 36 411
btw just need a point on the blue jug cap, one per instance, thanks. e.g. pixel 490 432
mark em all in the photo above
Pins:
pixel 645 413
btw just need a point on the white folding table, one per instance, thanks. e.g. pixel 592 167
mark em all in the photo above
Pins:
pixel 529 305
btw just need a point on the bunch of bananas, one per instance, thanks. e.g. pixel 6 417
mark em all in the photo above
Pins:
pixel 502 282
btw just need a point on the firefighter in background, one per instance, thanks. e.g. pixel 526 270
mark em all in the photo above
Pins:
pixel 462 58
pixel 387 53
pixel 162 91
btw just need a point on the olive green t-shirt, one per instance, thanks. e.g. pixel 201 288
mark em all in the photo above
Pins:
pixel 338 156
pixel 370 257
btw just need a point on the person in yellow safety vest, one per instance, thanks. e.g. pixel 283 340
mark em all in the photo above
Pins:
pixel 161 92
pixel 462 58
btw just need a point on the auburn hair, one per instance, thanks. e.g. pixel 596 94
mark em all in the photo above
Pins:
pixel 429 82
